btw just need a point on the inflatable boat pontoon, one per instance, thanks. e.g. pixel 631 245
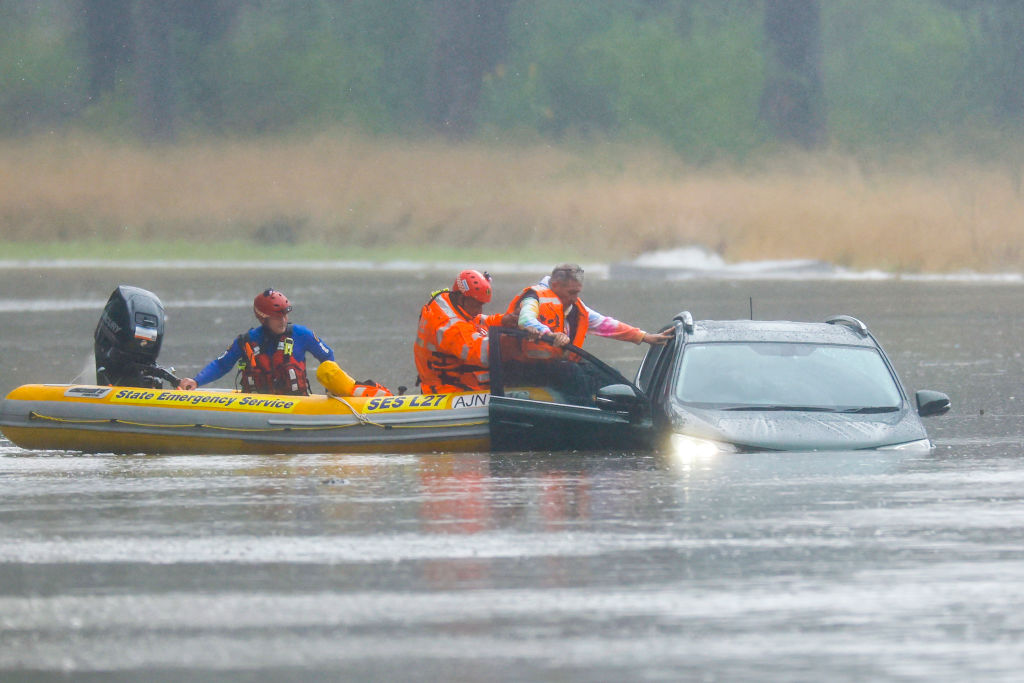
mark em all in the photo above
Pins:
pixel 130 419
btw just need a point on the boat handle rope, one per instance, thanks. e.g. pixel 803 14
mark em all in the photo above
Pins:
pixel 365 421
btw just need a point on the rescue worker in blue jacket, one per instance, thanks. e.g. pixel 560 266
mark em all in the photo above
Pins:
pixel 272 357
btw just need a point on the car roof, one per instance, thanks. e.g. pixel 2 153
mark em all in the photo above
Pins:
pixel 845 332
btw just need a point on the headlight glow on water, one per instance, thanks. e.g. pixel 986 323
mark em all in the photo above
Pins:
pixel 690 448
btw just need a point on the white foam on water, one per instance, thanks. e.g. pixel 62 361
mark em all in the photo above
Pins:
pixel 698 262
pixel 696 258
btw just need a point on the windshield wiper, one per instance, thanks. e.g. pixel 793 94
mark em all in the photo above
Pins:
pixel 872 409
pixel 812 409
pixel 815 409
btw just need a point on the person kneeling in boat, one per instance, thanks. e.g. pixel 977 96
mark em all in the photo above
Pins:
pixel 271 357
pixel 451 350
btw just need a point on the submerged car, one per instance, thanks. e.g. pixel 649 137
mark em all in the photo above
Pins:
pixel 735 386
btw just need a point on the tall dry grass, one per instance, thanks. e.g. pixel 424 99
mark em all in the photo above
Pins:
pixel 604 202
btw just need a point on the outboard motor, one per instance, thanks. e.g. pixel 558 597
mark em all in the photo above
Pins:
pixel 128 338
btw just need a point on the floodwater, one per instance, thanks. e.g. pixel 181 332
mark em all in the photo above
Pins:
pixel 518 567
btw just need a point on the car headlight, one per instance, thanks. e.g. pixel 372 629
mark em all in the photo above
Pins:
pixel 689 448
pixel 919 446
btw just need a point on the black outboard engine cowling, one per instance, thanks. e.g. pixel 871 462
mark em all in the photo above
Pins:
pixel 128 338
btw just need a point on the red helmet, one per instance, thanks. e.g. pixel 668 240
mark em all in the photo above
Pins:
pixel 474 284
pixel 270 302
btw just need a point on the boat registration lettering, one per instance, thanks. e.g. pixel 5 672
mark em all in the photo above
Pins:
pixel 427 401
pixel 381 404
pixel 398 402
pixel 471 401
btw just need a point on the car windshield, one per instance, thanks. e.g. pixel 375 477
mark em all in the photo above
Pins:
pixel 786 376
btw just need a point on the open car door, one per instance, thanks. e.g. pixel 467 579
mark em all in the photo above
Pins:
pixel 576 402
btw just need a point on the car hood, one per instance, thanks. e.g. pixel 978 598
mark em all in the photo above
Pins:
pixel 799 430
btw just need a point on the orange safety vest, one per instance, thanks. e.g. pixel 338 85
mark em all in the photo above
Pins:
pixel 278 372
pixel 451 350
pixel 551 314
pixel 370 388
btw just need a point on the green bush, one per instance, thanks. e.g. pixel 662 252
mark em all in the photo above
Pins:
pixel 41 79
pixel 593 67
pixel 288 66
pixel 894 70
pixel 699 93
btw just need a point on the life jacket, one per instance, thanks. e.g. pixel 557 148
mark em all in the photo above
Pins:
pixel 278 372
pixel 441 372
pixel 551 314
pixel 368 387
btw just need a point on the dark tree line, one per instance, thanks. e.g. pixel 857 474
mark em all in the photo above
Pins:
pixel 468 40
pixel 468 37
pixel 164 59
pixel 140 34
pixel 1002 23
pixel 793 99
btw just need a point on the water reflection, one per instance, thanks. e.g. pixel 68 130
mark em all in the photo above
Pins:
pixel 457 494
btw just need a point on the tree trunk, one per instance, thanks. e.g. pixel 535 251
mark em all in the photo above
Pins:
pixel 108 42
pixel 793 99
pixel 469 40
pixel 1003 26
pixel 156 94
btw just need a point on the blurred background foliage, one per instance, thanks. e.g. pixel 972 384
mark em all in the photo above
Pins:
pixel 709 79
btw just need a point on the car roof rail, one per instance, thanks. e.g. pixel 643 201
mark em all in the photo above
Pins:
pixel 851 322
pixel 686 318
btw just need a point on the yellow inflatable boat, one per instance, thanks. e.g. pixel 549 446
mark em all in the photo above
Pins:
pixel 117 419
pixel 546 407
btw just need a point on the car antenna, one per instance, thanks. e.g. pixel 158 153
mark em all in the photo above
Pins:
pixel 751 308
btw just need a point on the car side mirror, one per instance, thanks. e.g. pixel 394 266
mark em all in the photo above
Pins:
pixel 931 403
pixel 619 398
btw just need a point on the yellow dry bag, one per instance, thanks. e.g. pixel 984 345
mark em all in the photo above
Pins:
pixel 334 379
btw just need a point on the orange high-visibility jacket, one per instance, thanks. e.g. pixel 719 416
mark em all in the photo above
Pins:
pixel 452 350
